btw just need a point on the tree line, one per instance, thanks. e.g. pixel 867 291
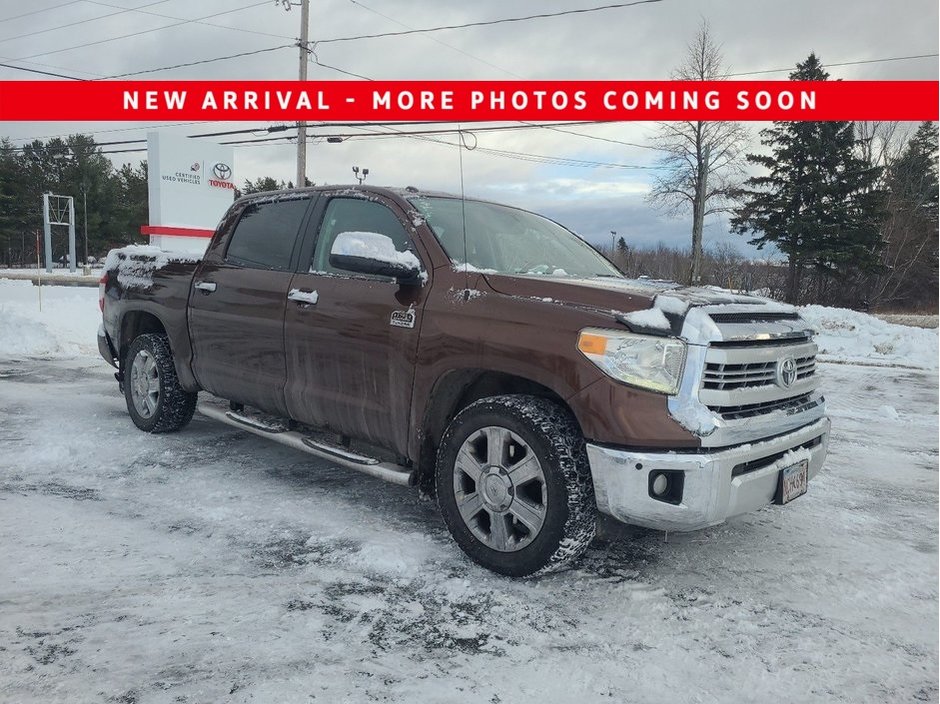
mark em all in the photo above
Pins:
pixel 111 200
pixel 851 207
pixel 116 197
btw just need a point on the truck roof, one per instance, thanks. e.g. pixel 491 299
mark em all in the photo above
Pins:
pixel 398 191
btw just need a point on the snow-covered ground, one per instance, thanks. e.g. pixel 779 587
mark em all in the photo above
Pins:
pixel 210 565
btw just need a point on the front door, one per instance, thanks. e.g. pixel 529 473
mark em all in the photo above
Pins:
pixel 351 339
pixel 236 308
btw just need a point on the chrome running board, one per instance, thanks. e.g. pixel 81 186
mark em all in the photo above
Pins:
pixel 394 473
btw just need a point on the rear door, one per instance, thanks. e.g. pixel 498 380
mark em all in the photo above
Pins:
pixel 351 339
pixel 236 309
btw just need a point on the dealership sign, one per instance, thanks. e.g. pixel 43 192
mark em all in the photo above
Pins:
pixel 190 186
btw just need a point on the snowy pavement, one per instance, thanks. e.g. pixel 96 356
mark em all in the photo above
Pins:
pixel 211 565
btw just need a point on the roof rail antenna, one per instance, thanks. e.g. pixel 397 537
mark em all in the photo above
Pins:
pixel 461 144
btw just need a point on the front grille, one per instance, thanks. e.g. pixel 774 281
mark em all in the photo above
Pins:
pixel 725 377
pixel 754 465
pixel 796 404
pixel 752 317
pixel 794 339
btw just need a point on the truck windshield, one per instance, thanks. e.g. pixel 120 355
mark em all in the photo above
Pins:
pixel 507 240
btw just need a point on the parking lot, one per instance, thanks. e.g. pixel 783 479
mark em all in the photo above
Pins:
pixel 211 565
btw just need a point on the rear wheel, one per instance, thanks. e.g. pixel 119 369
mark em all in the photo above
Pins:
pixel 155 400
pixel 514 485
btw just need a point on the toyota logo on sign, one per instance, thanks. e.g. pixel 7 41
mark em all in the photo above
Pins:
pixel 223 172
pixel 786 372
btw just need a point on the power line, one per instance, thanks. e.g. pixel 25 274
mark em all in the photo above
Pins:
pixel 342 135
pixel 592 136
pixel 437 41
pixel 843 63
pixel 145 31
pixel 312 51
pixel 510 154
pixel 207 24
pixel 78 22
pixel 504 153
pixel 119 129
pixel 201 61
pixel 486 23
pixel 166 68
pixel 54 66
pixel 561 160
pixel 266 129
pixel 43 73
pixel 45 9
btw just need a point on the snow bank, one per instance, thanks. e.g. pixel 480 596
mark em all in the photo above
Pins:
pixel 849 336
pixel 22 337
pixel 66 326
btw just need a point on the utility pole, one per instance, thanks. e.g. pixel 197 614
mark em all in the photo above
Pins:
pixel 302 126
pixel 698 219
pixel 85 215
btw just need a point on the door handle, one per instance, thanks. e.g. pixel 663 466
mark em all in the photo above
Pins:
pixel 309 298
pixel 205 286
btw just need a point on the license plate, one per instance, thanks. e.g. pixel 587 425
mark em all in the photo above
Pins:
pixel 793 481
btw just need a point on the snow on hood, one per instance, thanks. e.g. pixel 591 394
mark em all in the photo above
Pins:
pixel 624 297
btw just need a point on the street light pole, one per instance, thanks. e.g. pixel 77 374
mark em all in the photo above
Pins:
pixel 85 216
pixel 302 126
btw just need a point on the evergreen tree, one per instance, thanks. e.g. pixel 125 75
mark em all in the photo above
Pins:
pixel 817 203
pixel 132 208
pixel 909 278
pixel 262 183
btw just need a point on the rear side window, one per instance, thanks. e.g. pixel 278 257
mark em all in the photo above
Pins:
pixel 266 232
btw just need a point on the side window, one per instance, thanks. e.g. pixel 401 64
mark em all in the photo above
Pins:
pixel 355 215
pixel 266 233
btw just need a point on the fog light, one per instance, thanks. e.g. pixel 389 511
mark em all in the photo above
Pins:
pixel 666 485
pixel 660 484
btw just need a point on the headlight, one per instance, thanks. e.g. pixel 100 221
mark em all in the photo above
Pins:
pixel 646 361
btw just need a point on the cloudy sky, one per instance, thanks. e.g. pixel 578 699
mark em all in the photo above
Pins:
pixel 94 39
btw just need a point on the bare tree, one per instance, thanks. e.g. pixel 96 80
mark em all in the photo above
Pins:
pixel 704 161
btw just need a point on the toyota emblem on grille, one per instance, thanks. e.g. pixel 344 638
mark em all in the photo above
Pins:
pixel 222 171
pixel 786 372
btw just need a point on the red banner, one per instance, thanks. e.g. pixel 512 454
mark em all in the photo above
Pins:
pixel 467 101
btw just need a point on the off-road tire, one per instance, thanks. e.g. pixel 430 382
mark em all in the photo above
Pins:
pixel 175 406
pixel 552 433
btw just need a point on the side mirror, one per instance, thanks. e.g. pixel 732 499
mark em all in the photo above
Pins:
pixel 375 254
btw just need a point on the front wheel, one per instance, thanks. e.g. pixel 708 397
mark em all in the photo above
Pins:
pixel 155 400
pixel 514 485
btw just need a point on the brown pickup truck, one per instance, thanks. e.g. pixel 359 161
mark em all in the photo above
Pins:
pixel 477 350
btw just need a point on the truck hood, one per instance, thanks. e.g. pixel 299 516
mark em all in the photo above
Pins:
pixel 614 295
pixel 663 308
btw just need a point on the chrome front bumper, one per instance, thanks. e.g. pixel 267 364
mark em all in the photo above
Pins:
pixel 712 490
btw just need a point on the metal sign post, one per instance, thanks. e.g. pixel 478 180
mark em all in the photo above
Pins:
pixel 58 210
